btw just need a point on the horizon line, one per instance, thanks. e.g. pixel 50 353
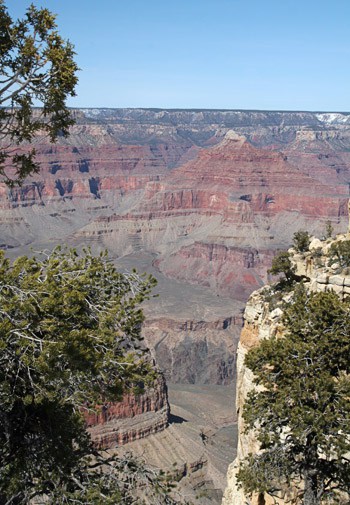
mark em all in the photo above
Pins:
pixel 197 109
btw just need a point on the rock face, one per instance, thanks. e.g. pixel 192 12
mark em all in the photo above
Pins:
pixel 207 196
pixel 262 321
pixel 227 270
pixel 134 417
pixel 194 352
pixel 199 467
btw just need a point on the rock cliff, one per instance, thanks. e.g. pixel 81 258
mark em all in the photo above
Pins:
pixel 132 418
pixel 194 352
pixel 262 321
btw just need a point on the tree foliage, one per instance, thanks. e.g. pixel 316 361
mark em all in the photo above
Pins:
pixel 339 252
pixel 301 240
pixel 69 339
pixel 281 264
pixel 329 229
pixel 300 411
pixel 37 68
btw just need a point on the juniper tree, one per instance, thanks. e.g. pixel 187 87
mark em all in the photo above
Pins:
pixel 69 340
pixel 301 240
pixel 37 69
pixel 300 412
pixel 281 264
pixel 339 252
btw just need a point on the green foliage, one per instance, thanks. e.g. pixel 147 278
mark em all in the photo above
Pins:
pixel 281 264
pixel 69 338
pixel 301 241
pixel 339 252
pixel 37 68
pixel 301 410
pixel 318 257
pixel 329 229
pixel 272 296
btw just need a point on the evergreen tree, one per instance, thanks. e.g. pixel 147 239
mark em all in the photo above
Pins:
pixel 301 240
pixel 37 69
pixel 69 340
pixel 300 411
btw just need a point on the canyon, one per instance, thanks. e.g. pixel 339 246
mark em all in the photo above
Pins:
pixel 133 417
pixel 201 199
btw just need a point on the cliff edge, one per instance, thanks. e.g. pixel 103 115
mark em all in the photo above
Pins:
pixel 321 271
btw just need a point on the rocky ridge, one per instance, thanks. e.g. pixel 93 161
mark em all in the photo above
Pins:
pixel 262 320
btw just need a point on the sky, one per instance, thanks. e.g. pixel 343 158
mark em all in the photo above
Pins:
pixel 211 54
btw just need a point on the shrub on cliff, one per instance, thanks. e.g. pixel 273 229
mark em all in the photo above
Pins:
pixel 300 412
pixel 69 338
pixel 339 252
pixel 281 264
pixel 301 240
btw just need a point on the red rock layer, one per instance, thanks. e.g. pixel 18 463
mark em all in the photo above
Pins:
pixel 230 271
pixel 134 417
pixel 234 176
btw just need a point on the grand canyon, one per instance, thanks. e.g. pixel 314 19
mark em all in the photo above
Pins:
pixel 203 200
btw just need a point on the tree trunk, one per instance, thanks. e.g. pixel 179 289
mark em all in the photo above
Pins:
pixel 261 499
pixel 310 490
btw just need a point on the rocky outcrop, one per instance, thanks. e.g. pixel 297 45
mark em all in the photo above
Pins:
pixel 194 352
pixel 262 320
pixel 132 418
pixel 259 323
pixel 227 270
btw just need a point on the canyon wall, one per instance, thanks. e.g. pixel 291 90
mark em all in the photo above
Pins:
pixel 132 418
pixel 202 199
pixel 263 321
pixel 194 352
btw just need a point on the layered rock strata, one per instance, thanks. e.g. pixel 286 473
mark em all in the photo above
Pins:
pixel 208 195
pixel 261 321
pixel 132 418
pixel 194 352
pixel 197 445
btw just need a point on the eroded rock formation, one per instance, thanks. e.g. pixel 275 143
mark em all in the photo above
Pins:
pixel 132 418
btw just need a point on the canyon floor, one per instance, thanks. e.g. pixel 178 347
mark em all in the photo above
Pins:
pixel 199 443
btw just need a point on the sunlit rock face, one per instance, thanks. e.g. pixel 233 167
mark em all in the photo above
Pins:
pixel 262 321
pixel 132 418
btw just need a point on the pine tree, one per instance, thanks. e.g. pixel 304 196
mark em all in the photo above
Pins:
pixel 69 340
pixel 300 411
pixel 37 69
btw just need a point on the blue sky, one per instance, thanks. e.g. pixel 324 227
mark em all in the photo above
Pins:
pixel 223 54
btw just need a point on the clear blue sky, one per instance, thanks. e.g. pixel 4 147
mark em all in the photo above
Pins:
pixel 232 54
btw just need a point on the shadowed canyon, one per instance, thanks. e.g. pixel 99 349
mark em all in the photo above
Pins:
pixel 201 199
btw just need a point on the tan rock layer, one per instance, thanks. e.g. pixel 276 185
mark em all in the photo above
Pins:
pixel 134 417
pixel 261 322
